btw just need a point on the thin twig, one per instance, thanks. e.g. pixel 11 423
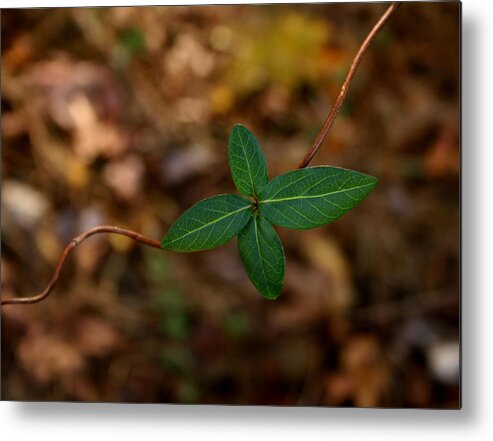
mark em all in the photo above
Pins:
pixel 306 160
pixel 73 243
pixel 345 86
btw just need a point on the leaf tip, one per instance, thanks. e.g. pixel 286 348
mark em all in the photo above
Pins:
pixel 272 295
pixel 236 128
pixel 373 180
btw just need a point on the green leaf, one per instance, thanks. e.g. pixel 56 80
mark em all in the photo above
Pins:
pixel 208 224
pixel 247 162
pixel 313 196
pixel 133 40
pixel 263 257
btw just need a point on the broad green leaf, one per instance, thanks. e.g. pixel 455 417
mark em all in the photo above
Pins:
pixel 313 196
pixel 262 254
pixel 247 162
pixel 208 224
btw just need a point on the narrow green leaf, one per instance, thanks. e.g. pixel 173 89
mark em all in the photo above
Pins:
pixel 208 224
pixel 247 162
pixel 313 196
pixel 263 257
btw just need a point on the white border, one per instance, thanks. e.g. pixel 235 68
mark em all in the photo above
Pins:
pixel 76 422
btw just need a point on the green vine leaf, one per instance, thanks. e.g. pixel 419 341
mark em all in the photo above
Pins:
pixel 247 162
pixel 263 256
pixel 313 196
pixel 301 199
pixel 208 224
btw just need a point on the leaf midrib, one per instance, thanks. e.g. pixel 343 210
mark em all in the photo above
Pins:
pixel 209 223
pixel 247 160
pixel 270 201
pixel 261 257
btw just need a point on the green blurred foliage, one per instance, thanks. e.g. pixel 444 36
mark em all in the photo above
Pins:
pixel 285 50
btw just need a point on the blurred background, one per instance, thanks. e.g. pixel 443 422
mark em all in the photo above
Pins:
pixel 121 116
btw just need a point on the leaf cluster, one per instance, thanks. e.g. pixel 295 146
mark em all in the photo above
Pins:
pixel 300 199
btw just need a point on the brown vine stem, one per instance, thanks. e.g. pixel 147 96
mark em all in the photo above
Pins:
pixel 73 243
pixel 305 161
pixel 347 82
